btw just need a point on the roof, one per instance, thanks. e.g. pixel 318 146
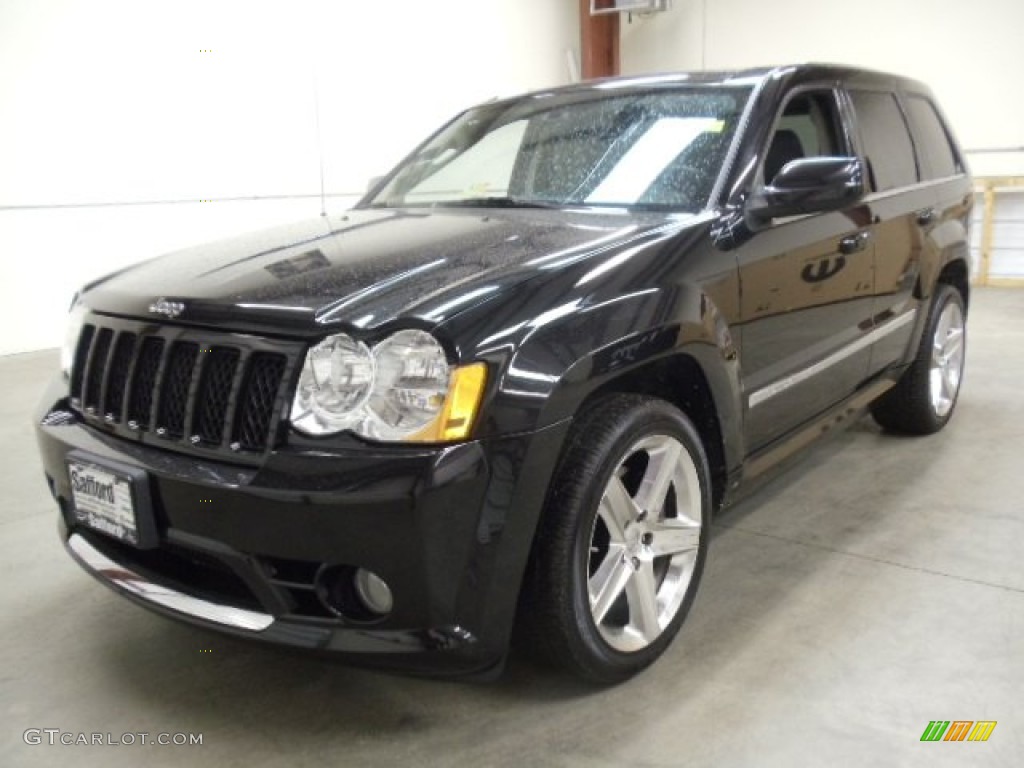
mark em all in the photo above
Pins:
pixel 751 76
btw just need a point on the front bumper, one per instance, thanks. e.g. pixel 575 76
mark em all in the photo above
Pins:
pixel 160 596
pixel 244 549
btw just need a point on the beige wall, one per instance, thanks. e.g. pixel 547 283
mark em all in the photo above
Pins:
pixel 111 106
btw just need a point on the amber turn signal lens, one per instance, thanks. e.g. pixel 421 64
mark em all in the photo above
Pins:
pixel 465 391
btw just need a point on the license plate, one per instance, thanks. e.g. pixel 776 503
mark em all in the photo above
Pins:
pixel 103 500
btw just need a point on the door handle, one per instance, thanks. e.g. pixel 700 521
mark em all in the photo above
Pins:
pixel 925 217
pixel 853 243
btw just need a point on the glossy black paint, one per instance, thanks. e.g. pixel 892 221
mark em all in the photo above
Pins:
pixel 561 305
pixel 811 185
pixel 364 270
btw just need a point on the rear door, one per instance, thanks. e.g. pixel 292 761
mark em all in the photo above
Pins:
pixel 946 174
pixel 806 286
pixel 903 214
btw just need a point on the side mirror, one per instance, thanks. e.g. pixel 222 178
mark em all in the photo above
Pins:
pixel 810 185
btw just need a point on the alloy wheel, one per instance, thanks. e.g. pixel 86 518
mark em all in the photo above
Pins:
pixel 644 543
pixel 947 361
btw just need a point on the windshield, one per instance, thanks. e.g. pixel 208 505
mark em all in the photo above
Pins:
pixel 658 149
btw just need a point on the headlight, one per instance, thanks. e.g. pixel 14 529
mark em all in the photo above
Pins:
pixel 401 390
pixel 76 318
pixel 412 382
pixel 336 382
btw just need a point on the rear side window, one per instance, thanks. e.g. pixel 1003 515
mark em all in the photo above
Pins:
pixel 886 139
pixel 932 138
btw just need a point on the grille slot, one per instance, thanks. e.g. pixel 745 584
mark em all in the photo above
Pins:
pixel 175 388
pixel 259 393
pixel 81 358
pixel 120 365
pixel 146 368
pixel 214 394
pixel 171 384
pixel 95 369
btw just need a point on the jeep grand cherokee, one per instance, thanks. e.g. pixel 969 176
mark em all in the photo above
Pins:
pixel 519 377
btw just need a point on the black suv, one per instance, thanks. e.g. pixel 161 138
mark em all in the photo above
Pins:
pixel 514 383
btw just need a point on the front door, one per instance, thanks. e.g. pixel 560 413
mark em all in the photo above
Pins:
pixel 806 289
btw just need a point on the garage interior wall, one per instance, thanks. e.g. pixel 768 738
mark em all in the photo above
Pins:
pixel 132 129
pixel 970 54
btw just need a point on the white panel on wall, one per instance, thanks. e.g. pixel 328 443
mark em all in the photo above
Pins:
pixel 996 163
pixel 107 103
pixel 1008 235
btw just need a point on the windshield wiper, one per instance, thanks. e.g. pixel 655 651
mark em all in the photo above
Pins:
pixel 477 202
pixel 497 202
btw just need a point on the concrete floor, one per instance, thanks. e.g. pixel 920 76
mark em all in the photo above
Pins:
pixel 875 587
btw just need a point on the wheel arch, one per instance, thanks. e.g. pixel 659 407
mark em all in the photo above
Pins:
pixel 688 359
pixel 680 380
pixel 952 269
pixel 957 274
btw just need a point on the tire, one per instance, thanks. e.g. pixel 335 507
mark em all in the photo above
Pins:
pixel 621 544
pixel 923 400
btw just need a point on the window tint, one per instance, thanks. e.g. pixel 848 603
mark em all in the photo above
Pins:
pixel 886 140
pixel 808 128
pixel 932 138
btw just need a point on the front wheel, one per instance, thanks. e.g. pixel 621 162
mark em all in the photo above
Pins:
pixel 622 542
pixel 923 400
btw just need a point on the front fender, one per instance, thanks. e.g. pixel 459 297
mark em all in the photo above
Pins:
pixel 579 346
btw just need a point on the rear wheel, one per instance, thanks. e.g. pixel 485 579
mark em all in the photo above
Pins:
pixel 923 399
pixel 622 542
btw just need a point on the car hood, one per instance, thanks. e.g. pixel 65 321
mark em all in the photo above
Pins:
pixel 365 268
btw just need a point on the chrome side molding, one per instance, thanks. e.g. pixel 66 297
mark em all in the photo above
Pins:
pixel 781 385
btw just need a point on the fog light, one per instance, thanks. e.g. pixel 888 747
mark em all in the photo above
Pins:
pixel 354 594
pixel 374 593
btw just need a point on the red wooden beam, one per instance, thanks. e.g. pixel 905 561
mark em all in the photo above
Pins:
pixel 599 43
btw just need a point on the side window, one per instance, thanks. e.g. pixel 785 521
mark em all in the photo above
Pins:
pixel 932 138
pixel 887 143
pixel 808 127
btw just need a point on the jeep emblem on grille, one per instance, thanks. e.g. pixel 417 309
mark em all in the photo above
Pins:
pixel 170 308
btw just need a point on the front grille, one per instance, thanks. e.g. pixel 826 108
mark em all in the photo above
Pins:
pixel 182 389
